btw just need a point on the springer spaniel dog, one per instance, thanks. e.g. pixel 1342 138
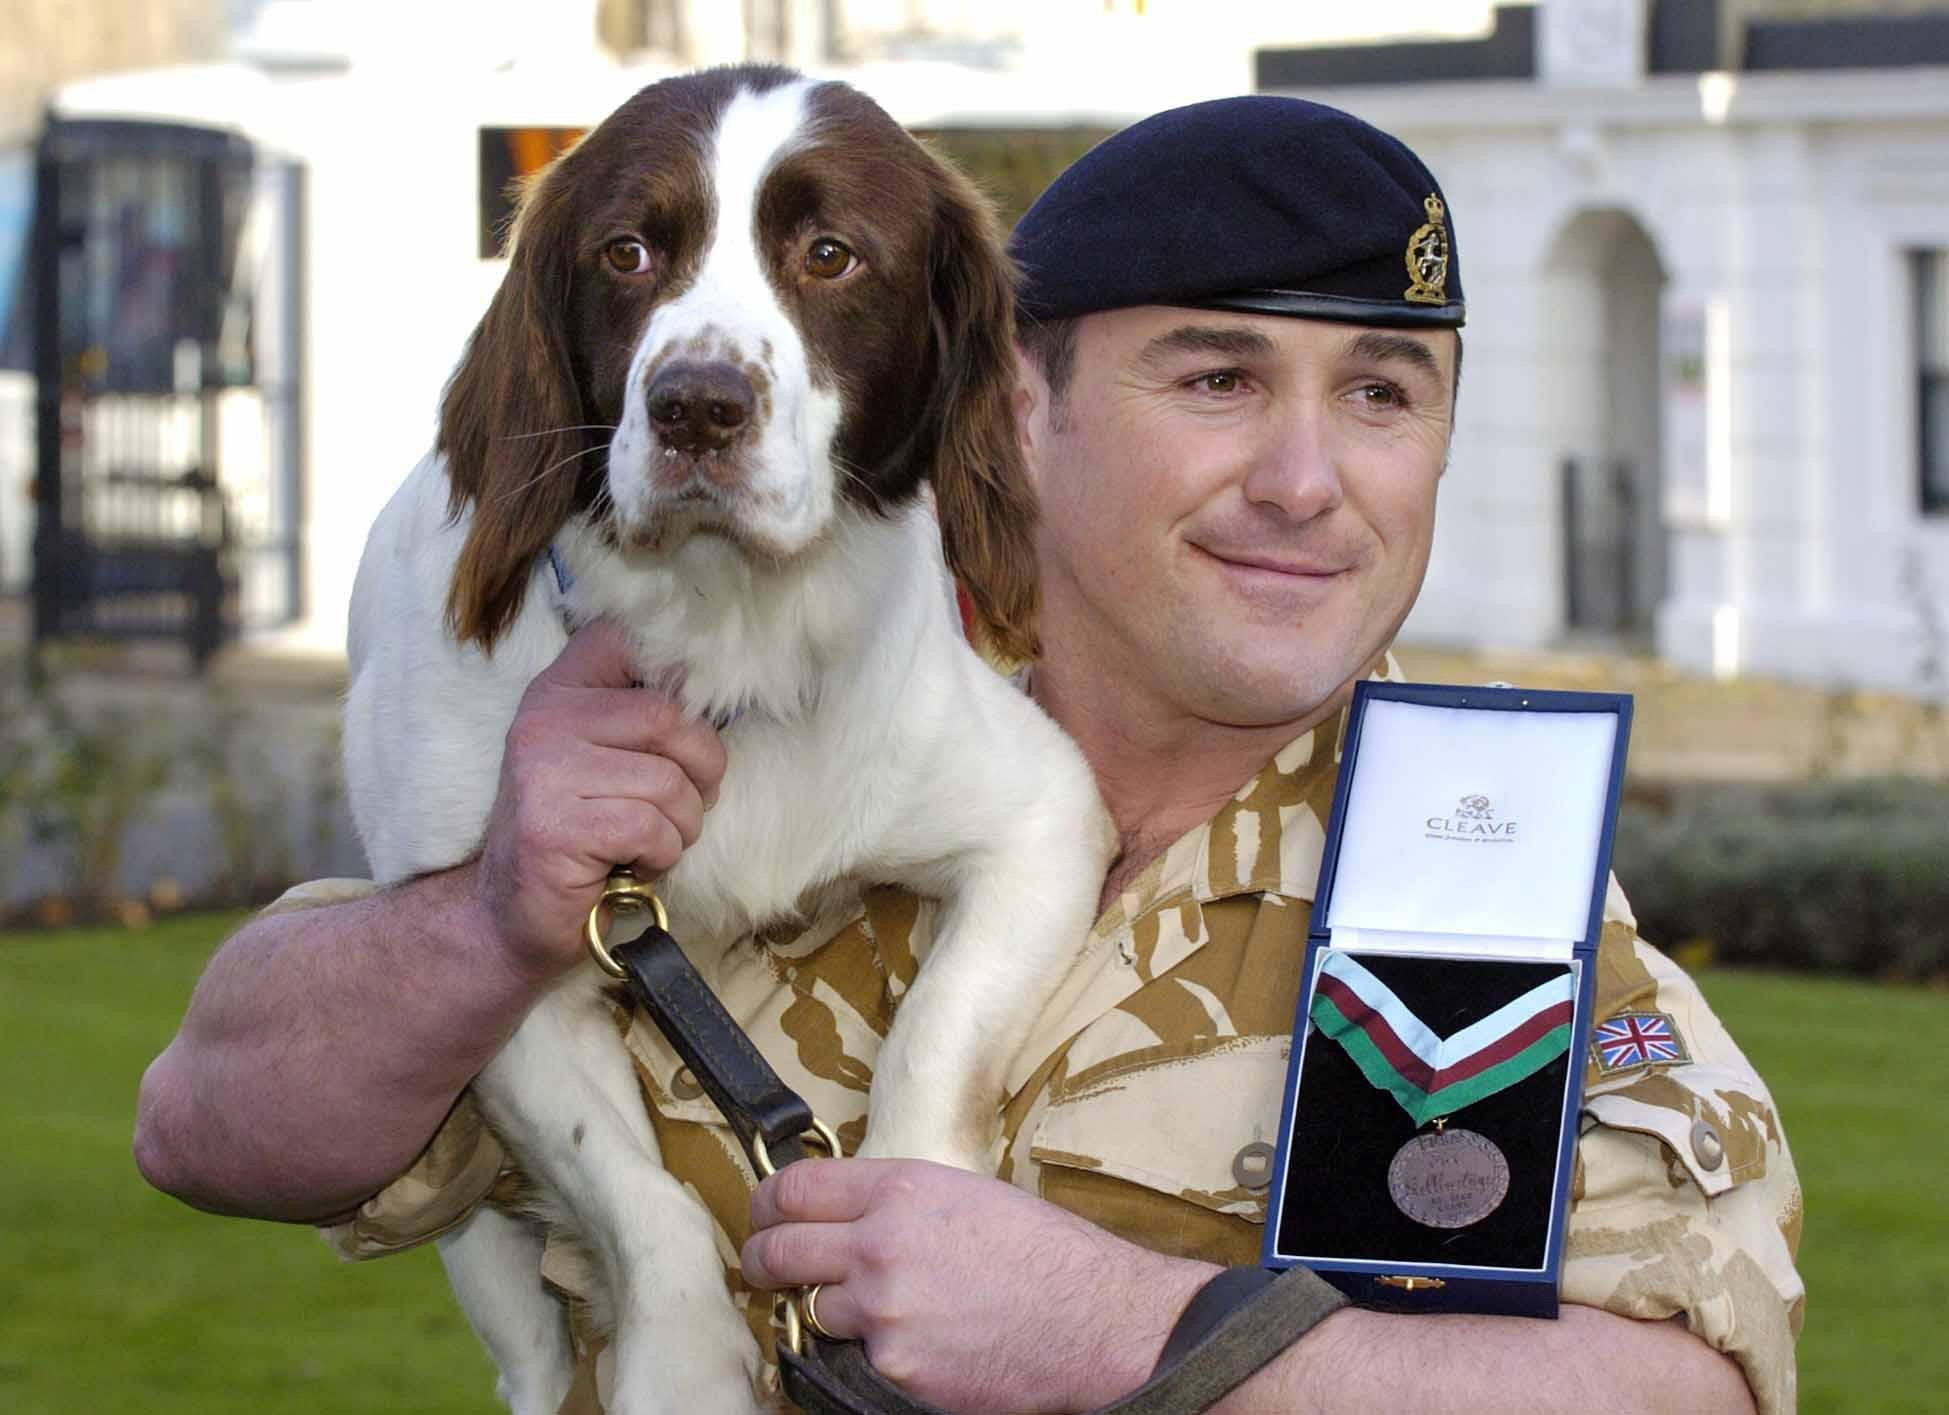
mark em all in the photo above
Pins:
pixel 743 323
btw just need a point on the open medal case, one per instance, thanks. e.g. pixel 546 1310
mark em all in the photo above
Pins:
pixel 1428 1130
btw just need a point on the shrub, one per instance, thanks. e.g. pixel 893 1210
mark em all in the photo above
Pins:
pixel 75 781
pixel 1835 876
pixel 248 804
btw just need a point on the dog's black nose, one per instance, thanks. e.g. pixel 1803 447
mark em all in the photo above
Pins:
pixel 700 407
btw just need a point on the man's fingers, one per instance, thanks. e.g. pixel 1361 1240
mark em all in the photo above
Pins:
pixel 664 731
pixel 819 1191
pixel 633 720
pixel 594 681
pixel 797 1255
pixel 597 656
pixel 547 736
pixel 659 782
pixel 836 1312
pixel 628 833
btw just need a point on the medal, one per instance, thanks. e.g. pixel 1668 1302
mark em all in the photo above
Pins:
pixel 1452 1178
pixel 1449 1179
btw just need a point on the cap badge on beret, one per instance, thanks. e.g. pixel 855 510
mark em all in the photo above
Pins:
pixel 1428 257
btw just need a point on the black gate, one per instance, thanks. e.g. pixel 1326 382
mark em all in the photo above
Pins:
pixel 1600 546
pixel 143 273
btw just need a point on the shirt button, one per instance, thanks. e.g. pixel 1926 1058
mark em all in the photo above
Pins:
pixel 684 1085
pixel 1252 1166
pixel 1707 1147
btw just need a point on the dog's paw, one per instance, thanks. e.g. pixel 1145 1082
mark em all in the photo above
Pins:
pixel 681 1386
pixel 532 1396
pixel 688 1363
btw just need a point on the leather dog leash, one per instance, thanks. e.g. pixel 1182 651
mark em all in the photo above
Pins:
pixel 1237 1322
pixel 770 1119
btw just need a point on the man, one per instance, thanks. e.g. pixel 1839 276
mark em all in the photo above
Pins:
pixel 1237 395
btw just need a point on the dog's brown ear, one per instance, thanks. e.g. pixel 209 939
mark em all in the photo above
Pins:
pixel 981 488
pixel 509 424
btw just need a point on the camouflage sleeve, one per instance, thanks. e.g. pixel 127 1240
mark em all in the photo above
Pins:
pixel 317 893
pixel 1686 1203
pixel 458 1168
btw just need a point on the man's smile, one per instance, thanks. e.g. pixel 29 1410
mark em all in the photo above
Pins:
pixel 1278 580
pixel 1275 562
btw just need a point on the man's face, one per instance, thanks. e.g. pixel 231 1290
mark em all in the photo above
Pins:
pixel 1236 509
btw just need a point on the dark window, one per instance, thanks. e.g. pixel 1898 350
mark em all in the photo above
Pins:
pixel 16 221
pixel 1932 383
pixel 508 157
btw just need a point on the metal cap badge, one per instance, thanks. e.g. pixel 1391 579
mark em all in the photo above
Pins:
pixel 1428 256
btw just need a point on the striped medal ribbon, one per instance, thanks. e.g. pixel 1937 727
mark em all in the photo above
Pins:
pixel 1454 1177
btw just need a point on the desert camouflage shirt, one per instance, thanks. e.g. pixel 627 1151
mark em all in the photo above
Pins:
pixel 1685 1200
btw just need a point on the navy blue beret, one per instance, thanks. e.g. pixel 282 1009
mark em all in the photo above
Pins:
pixel 1260 204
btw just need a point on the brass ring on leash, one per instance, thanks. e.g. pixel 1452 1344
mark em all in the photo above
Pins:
pixel 809 1313
pixel 623 892
pixel 820 1131
pixel 787 1309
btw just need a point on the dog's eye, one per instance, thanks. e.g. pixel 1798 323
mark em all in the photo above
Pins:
pixel 627 256
pixel 829 259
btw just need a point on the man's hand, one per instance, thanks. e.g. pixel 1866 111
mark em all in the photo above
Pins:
pixel 597 772
pixel 967 1291
pixel 307 1073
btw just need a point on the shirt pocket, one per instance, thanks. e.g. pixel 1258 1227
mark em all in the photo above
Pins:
pixel 1717 1123
pixel 1161 1140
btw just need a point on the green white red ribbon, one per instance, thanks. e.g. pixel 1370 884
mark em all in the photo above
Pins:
pixel 1428 1074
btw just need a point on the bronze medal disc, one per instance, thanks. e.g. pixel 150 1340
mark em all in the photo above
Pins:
pixel 1448 1180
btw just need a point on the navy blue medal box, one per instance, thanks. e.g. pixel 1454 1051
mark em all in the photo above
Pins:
pixel 1461 895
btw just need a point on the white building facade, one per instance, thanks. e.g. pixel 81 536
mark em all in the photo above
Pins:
pixel 1706 320
pixel 1699 350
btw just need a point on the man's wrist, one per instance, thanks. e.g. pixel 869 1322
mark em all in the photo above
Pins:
pixel 453 911
pixel 458 935
pixel 1137 1313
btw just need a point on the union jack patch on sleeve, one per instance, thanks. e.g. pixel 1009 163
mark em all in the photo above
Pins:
pixel 1633 1039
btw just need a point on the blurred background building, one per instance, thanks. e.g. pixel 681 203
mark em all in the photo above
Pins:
pixel 1707 402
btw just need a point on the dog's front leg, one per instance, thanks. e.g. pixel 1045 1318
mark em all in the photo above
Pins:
pixel 1009 930
pixel 493 1263
pixel 564 1095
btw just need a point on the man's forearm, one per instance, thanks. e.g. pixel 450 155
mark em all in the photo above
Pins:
pixel 1587 1359
pixel 323 1047
pixel 1357 1361
pixel 977 1296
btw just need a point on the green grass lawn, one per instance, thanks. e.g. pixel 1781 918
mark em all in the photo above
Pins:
pixel 116 1298
pixel 1861 1076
